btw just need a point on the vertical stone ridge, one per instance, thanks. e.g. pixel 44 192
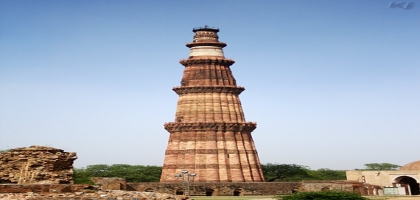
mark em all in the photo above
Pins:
pixel 210 136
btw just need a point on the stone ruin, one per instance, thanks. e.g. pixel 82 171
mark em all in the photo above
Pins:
pixel 37 165
pixel 40 173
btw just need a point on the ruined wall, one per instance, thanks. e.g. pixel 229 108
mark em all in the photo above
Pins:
pixel 254 189
pixel 110 183
pixel 37 165
pixel 43 188
pixel 196 189
pixel 219 189
pixel 327 185
pixel 73 192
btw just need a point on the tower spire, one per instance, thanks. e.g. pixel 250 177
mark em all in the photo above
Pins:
pixel 210 136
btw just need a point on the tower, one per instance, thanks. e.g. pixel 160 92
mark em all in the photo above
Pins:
pixel 210 137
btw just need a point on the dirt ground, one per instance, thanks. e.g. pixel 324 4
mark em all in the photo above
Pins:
pixel 396 198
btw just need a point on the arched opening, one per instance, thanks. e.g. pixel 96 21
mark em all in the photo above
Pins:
pixel 237 192
pixel 410 184
pixel 365 191
pixel 149 190
pixel 356 190
pixel 325 189
pixel 179 192
pixel 209 192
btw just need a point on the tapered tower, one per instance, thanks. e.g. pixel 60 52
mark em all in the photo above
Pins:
pixel 210 136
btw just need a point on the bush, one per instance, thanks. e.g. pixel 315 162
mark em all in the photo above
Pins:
pixel 330 195
pixel 80 176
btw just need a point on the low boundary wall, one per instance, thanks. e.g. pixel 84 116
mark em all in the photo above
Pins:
pixel 199 188
pixel 255 188
pixel 218 189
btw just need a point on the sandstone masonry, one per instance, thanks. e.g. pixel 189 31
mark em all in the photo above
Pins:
pixel 210 136
pixel 37 165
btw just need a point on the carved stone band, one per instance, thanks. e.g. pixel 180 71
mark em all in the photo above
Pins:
pixel 209 89
pixel 217 44
pixel 204 166
pixel 210 126
pixel 208 60
pixel 210 151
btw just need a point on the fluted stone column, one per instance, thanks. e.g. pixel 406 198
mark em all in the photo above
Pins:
pixel 210 136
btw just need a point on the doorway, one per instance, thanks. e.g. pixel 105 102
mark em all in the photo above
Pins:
pixel 410 184
pixel 209 192
pixel 237 192
pixel 179 192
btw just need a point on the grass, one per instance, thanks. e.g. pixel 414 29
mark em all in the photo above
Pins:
pixel 231 197
pixel 394 197
pixel 271 197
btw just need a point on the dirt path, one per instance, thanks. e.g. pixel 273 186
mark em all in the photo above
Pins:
pixel 397 198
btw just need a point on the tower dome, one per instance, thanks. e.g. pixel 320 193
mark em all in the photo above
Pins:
pixel 411 166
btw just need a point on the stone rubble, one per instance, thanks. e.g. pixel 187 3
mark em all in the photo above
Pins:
pixel 93 195
pixel 37 165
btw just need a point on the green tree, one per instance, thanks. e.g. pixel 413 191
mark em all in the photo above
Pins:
pixel 131 173
pixel 100 170
pixel 80 176
pixel 284 172
pixel 293 172
pixel 381 166
pixel 328 174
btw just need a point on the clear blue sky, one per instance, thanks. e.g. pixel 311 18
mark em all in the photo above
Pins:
pixel 331 84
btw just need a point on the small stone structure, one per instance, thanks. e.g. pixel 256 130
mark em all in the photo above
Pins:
pixel 37 165
pixel 405 181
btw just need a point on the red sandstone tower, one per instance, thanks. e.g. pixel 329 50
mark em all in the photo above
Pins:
pixel 210 137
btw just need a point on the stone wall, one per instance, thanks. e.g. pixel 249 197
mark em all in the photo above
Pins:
pixel 196 189
pixel 44 188
pixel 252 188
pixel 110 183
pixel 74 192
pixel 220 189
pixel 37 165
pixel 327 186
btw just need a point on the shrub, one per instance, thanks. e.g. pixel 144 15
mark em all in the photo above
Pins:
pixel 330 195
pixel 80 176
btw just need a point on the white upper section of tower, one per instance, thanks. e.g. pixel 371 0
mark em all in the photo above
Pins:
pixel 206 51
